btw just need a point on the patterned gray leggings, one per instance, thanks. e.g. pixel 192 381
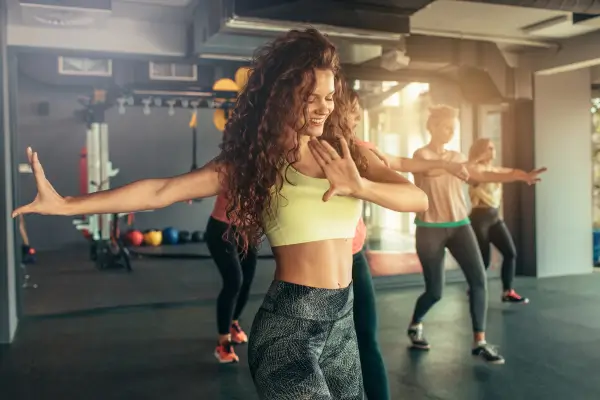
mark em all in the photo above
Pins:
pixel 303 345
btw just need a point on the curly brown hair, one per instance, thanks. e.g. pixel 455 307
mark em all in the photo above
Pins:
pixel 254 151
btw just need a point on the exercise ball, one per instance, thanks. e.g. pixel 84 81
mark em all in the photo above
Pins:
pixel 196 237
pixel 184 237
pixel 225 85
pixel 134 238
pixel 170 236
pixel 241 77
pixel 153 238
pixel 219 119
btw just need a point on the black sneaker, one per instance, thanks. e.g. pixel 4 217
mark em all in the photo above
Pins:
pixel 418 341
pixel 488 353
pixel 513 297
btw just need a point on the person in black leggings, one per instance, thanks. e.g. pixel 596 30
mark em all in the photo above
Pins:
pixel 237 271
pixel 486 220
pixel 373 369
pixel 446 225
pixel 365 322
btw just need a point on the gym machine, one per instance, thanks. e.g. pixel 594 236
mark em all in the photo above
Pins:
pixel 27 252
pixel 107 249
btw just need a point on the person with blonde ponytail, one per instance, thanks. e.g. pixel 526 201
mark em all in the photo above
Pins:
pixel 486 219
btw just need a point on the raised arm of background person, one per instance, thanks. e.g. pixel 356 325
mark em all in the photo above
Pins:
pixel 481 174
pixel 146 194
pixel 417 165
pixel 420 165
pixel 387 188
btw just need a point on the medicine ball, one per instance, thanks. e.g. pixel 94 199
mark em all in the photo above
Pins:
pixel 153 238
pixel 184 237
pixel 170 236
pixel 135 238
pixel 196 236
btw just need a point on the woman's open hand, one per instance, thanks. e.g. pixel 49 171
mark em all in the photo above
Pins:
pixel 533 177
pixel 340 171
pixel 47 201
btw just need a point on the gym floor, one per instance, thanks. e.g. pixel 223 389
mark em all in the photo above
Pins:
pixel 157 352
pixel 69 283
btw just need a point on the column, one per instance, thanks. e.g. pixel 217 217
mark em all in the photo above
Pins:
pixel 8 290
pixel 563 201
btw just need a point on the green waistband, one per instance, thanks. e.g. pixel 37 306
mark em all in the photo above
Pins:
pixel 453 224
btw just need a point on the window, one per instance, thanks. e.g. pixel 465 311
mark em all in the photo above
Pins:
pixel 77 66
pixel 173 72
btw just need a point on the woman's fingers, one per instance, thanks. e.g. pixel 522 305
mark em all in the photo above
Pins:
pixel 27 209
pixel 317 154
pixel 346 149
pixel 38 170
pixel 326 150
pixel 333 154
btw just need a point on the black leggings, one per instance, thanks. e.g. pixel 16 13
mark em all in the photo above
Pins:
pixel 236 270
pixel 365 322
pixel 490 229
pixel 431 249
pixel 303 345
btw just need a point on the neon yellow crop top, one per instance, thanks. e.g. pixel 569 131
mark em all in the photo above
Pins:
pixel 300 215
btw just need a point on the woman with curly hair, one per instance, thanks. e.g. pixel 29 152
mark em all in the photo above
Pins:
pixel 292 171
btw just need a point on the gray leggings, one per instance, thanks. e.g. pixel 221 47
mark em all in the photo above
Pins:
pixel 462 243
pixel 303 345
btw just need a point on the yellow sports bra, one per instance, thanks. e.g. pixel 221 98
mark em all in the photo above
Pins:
pixel 299 214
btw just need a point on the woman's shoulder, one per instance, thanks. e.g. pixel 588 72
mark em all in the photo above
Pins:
pixel 363 143
pixel 456 156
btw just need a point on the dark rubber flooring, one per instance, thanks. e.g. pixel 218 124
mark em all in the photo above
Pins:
pixel 552 348
pixel 69 283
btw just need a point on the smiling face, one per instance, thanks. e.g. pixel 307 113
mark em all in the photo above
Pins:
pixel 320 103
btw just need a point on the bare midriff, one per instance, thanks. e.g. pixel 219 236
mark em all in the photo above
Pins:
pixel 324 264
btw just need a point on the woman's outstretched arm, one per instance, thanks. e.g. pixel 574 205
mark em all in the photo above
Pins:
pixel 504 175
pixel 387 188
pixel 146 194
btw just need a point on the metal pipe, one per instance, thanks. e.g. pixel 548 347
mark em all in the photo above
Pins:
pixel 485 38
pixel 267 25
pixel 579 6
pixel 276 26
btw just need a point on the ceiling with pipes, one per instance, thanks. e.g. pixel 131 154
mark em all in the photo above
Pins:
pixel 389 33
